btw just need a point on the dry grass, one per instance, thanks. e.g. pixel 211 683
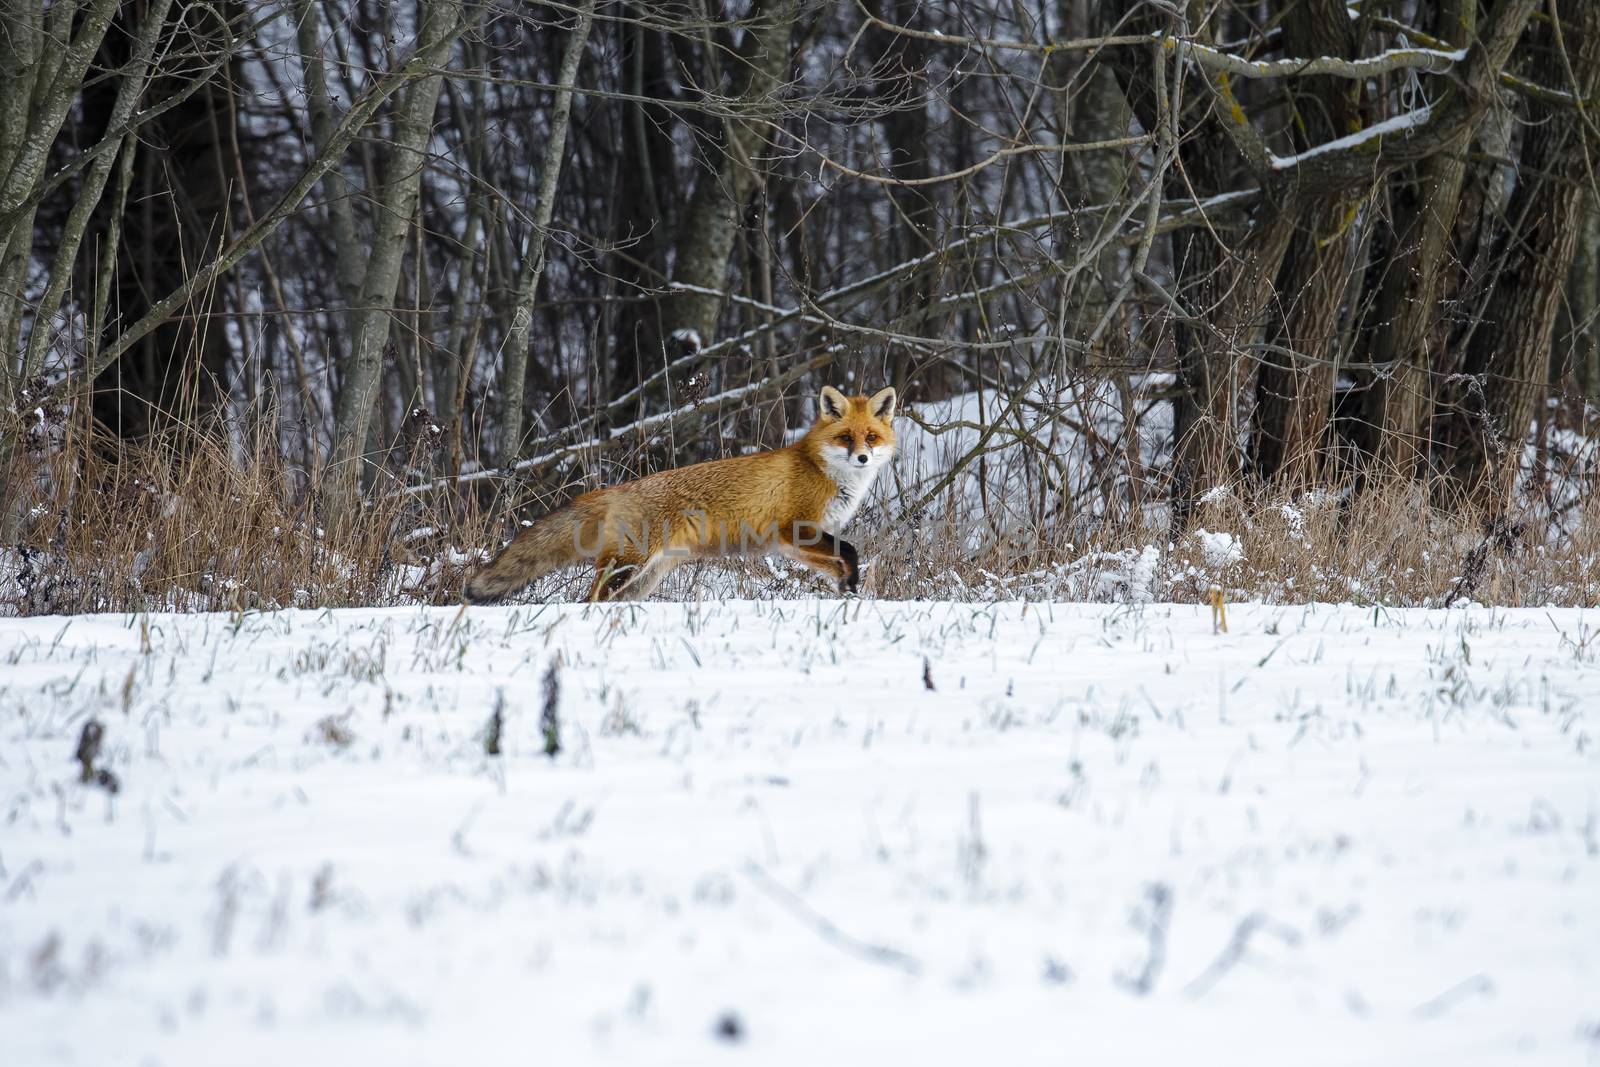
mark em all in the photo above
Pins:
pixel 226 527
pixel 202 524
pixel 1391 544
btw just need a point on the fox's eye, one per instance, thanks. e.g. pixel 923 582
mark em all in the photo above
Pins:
pixel 872 439
pixel 848 440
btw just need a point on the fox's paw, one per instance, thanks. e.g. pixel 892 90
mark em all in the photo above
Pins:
pixel 850 583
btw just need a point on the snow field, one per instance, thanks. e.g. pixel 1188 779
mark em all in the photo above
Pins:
pixel 1104 834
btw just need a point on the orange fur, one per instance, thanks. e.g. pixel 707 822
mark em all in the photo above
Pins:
pixel 789 501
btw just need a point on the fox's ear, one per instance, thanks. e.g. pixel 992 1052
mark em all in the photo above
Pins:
pixel 882 404
pixel 831 404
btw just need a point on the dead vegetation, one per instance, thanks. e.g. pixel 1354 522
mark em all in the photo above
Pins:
pixel 216 526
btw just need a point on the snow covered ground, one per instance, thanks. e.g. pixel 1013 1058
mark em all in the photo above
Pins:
pixel 804 832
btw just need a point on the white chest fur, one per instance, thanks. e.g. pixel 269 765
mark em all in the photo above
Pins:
pixel 853 486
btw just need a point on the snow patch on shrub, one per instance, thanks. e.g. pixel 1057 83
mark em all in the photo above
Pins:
pixel 1219 550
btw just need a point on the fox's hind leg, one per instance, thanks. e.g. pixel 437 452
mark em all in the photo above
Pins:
pixel 829 555
pixel 615 580
pixel 649 576
pixel 610 578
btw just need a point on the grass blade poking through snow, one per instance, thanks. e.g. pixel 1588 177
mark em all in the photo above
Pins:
pixel 549 718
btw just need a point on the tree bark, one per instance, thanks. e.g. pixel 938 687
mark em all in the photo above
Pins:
pixel 1222 290
pixel 1294 389
pixel 1230 289
pixel 180 209
pixel 898 68
pixel 1576 357
pixel 711 222
pixel 396 201
pixel 514 368
pixel 336 187
pixel 1098 111
pixel 649 195
pixel 39 83
pixel 1489 407
pixel 1399 399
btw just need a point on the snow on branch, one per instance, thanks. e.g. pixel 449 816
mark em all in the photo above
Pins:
pixel 1411 120
pixel 1429 60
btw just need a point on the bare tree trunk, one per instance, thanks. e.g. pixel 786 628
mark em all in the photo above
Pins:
pixel 42 69
pixel 899 88
pixel 130 87
pixel 1223 289
pixel 1231 288
pixel 648 201
pixel 395 203
pixel 1576 357
pixel 1399 400
pixel 772 422
pixel 1098 112
pixel 514 368
pixel 336 187
pixel 41 82
pixel 1490 405
pixel 183 197
pixel 1294 390
pixel 21 50
pixel 706 233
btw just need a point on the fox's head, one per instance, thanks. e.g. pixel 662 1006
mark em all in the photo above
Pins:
pixel 855 434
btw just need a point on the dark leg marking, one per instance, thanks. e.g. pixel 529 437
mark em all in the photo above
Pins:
pixel 620 576
pixel 847 555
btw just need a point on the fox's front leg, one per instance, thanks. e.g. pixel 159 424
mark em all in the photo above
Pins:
pixel 830 555
pixel 849 561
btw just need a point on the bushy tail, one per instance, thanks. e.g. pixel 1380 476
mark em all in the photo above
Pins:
pixel 550 543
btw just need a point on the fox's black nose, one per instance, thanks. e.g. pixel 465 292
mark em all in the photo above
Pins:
pixel 862 459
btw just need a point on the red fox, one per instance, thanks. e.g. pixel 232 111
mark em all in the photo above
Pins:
pixel 792 501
